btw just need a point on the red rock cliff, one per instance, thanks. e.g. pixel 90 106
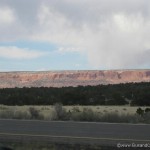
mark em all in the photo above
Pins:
pixel 71 78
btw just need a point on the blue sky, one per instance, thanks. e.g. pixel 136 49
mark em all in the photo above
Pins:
pixel 74 35
pixel 52 59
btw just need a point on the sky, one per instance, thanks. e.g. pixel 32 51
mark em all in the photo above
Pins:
pixel 41 35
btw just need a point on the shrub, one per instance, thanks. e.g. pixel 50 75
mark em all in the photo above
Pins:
pixel 120 118
pixel 124 109
pixel 89 115
pixel 21 115
pixel 146 117
pixel 8 114
pixel 76 109
pixel 60 112
pixel 147 110
pixel 35 113
pixel 86 115
pixel 140 111
pixel 12 114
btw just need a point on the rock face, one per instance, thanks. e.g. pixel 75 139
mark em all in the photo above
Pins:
pixel 71 78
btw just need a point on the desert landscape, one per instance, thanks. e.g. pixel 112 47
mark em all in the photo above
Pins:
pixel 71 78
pixel 74 74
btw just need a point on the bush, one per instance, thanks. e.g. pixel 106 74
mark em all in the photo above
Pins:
pixel 89 115
pixel 147 110
pixel 85 115
pixel 140 111
pixel 146 117
pixel 35 113
pixel 12 114
pixel 9 114
pixel 60 112
pixel 21 115
pixel 117 118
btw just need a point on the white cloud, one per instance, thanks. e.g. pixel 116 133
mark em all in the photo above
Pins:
pixel 54 27
pixel 6 16
pixel 118 41
pixel 13 52
pixel 121 42
pixel 68 49
pixel 111 33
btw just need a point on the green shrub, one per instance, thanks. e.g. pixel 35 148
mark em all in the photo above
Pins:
pixel 140 111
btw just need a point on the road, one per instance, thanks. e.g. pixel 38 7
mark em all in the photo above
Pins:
pixel 76 132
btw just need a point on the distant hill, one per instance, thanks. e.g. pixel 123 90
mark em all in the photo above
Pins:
pixel 71 78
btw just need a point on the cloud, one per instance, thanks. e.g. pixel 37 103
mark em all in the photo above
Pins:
pixel 13 52
pixel 68 49
pixel 112 34
pixel 121 42
pixel 7 16
pixel 106 41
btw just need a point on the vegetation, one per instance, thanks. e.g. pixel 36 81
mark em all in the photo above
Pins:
pixel 140 111
pixel 135 94
pixel 78 113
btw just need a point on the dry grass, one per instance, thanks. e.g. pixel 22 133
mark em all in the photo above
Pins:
pixel 76 113
pixel 48 111
pixel 109 109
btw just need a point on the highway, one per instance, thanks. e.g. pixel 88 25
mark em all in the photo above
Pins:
pixel 75 132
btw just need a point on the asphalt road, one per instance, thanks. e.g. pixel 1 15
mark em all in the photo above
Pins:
pixel 74 131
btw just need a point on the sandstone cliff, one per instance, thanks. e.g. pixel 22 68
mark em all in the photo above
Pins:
pixel 71 78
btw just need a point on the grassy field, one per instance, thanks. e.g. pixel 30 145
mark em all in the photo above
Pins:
pixel 108 109
pixel 116 114
pixel 48 111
